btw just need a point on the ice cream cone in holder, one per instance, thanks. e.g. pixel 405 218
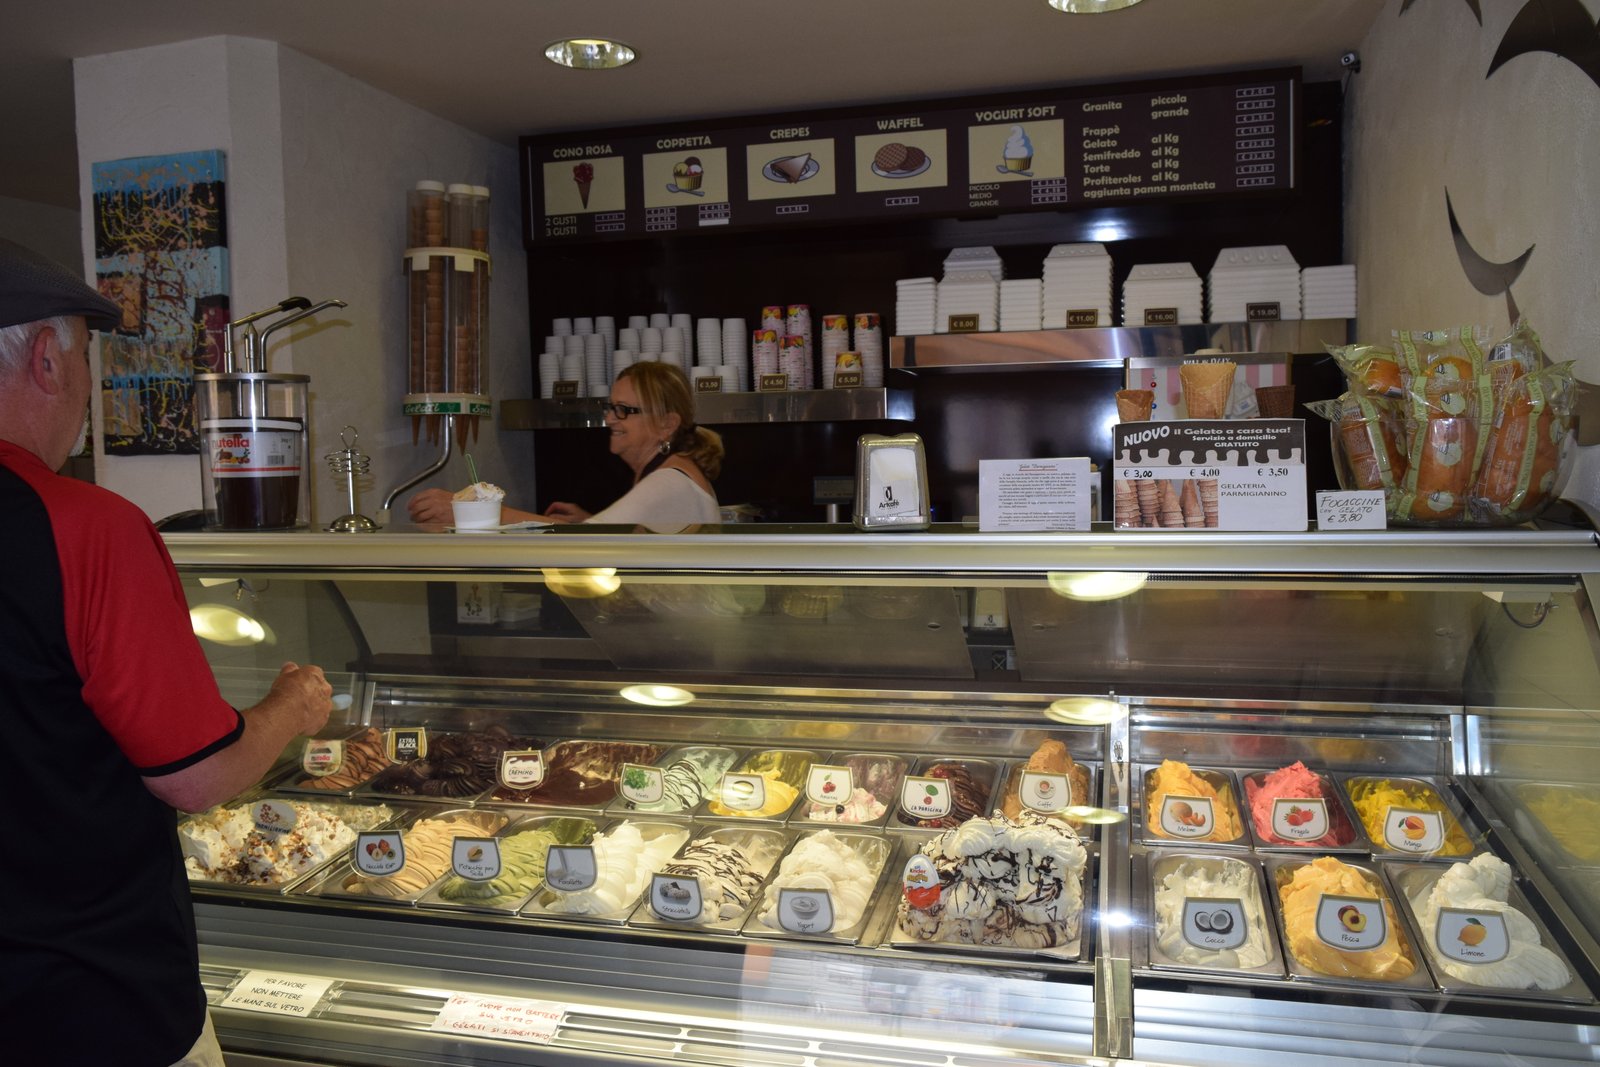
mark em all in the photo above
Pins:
pixel 1206 387
pixel 1135 405
pixel 1275 401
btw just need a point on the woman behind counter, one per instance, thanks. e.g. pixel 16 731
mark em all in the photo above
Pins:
pixel 651 423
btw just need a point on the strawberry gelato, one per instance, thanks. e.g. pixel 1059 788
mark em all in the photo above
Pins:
pixel 1295 823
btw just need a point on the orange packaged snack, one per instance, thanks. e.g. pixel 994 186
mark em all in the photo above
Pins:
pixel 1368 434
pixel 1371 369
pixel 1527 456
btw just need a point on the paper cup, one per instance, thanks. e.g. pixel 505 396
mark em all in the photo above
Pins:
pixel 1206 388
pixel 476 514
pixel 1134 405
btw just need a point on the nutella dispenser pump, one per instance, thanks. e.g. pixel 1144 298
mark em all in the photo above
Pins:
pixel 253 455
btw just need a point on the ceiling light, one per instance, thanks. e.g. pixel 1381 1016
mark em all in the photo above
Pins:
pixel 1086 711
pixel 658 696
pixel 1090 7
pixel 1095 585
pixel 589 53
pixel 226 625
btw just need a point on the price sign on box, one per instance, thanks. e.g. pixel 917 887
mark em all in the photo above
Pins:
pixel 1243 474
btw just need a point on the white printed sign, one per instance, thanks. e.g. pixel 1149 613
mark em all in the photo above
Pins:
pixel 277 994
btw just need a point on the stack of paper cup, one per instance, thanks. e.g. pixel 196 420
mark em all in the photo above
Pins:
pixel 572 370
pixel 628 339
pixel 681 320
pixel 583 325
pixel 638 322
pixel 734 377
pixel 673 347
pixel 660 320
pixel 596 371
pixel 735 342
pixel 549 371
pixel 572 345
pixel 774 318
pixel 793 358
pixel 763 352
pixel 606 327
pixel 835 339
pixel 916 306
pixel 708 342
pixel 868 339
pixel 797 323
pixel 650 341
pixel 620 361
pixel 554 344
pixel 561 327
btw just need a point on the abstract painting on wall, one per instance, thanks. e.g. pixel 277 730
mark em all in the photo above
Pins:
pixel 160 248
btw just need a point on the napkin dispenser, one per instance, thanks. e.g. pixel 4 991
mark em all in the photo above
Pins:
pixel 891 483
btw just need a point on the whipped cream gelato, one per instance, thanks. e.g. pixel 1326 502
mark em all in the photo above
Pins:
pixel 483 491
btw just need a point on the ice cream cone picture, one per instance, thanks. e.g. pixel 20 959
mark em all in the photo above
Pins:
pixel 1206 388
pixel 1135 405
pixel 583 174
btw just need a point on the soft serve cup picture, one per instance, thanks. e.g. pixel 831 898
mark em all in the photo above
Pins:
pixel 1018 153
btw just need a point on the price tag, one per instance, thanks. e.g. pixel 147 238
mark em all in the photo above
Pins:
pixel 1267 311
pixel 274 993
pixel 570 868
pixel 963 323
pixel 1356 509
pixel 744 792
pixel 274 817
pixel 772 383
pixel 805 911
pixel 1078 318
pixel 847 379
pixel 1471 936
pixel 404 744
pixel 1299 820
pixel 476 859
pixel 1044 793
pixel 1413 830
pixel 1214 923
pixel 925 798
pixel 709 384
pixel 1351 924
pixel 1160 316
pixel 523 769
pixel 380 854
pixel 641 784
pixel 533 1022
pixel 565 390
pixel 322 758
pixel 829 785
pixel 675 898
pixel 1183 816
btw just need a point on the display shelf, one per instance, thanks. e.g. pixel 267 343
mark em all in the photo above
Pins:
pixel 1108 345
pixel 725 409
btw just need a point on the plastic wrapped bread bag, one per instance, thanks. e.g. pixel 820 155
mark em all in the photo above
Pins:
pixel 1370 369
pixel 1366 440
pixel 1449 407
pixel 1529 449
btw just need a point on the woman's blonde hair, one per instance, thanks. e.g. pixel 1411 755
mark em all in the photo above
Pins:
pixel 663 390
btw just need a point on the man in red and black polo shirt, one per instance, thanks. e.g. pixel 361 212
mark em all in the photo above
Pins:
pixel 109 717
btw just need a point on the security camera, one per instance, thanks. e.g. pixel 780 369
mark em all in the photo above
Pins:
pixel 1351 61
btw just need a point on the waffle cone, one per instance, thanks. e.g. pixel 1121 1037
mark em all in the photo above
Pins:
pixel 1275 401
pixel 1206 387
pixel 1134 405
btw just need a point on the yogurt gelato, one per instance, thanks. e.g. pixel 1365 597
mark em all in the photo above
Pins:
pixel 824 860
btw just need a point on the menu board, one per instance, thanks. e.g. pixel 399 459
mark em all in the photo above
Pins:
pixel 1219 135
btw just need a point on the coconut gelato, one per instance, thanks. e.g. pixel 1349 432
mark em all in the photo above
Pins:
pixel 1221 879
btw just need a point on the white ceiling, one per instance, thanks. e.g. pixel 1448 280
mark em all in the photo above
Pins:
pixel 479 63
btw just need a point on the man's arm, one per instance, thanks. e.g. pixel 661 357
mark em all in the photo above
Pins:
pixel 298 703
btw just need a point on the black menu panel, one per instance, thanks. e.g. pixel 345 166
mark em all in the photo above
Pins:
pixel 1218 135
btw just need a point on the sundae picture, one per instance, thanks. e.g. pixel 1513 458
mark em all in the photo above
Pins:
pixel 1017 157
pixel 583 174
pixel 687 177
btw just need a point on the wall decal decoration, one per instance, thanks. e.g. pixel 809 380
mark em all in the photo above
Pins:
pixel 160 246
pixel 1561 27
pixel 1477 11
pixel 1487 277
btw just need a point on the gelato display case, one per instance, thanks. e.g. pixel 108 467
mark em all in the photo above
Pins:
pixel 804 795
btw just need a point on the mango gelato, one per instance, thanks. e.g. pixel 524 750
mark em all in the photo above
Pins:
pixel 1570 816
pixel 1217 820
pixel 1374 798
pixel 1300 898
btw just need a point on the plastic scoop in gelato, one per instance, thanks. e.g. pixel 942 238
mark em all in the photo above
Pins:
pixel 1212 880
pixel 1512 955
pixel 1171 794
pixel 1013 883
pixel 1302 904
pixel 477 506
pixel 1279 820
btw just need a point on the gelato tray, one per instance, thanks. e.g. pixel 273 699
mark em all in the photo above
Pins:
pixel 823 887
pixel 945 791
pixel 763 786
pixel 851 788
pixel 360 756
pixel 427 843
pixel 995 886
pixel 1480 934
pixel 688 775
pixel 1568 816
pixel 1295 807
pixel 602 881
pixel 522 847
pixel 1051 783
pixel 1207 914
pixel 457 768
pixel 274 842
pixel 710 885
pixel 1186 805
pixel 1408 817
pixel 1338 925
pixel 580 774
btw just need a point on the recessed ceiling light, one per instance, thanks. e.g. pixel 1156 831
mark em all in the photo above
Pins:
pixel 589 53
pixel 1095 585
pixel 1089 7
pixel 658 696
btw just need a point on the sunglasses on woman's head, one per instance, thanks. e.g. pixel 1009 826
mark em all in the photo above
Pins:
pixel 620 411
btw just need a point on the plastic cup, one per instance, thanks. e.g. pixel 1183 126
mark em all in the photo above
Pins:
pixel 476 514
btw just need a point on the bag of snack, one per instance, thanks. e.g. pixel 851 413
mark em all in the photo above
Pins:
pixel 1371 369
pixel 1366 433
pixel 1529 450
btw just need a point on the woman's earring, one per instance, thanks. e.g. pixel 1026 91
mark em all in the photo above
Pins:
pixel 666 448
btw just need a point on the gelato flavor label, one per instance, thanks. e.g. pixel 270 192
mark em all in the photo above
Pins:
pixel 1186 816
pixel 1044 793
pixel 322 758
pixel 476 859
pixel 925 798
pixel 404 744
pixel 1471 936
pixel 380 854
pixel 805 911
pixel 675 897
pixel 920 880
pixel 641 784
pixel 1215 923
pixel 274 817
pixel 570 868
pixel 829 785
pixel 1351 924
pixel 1413 830
pixel 743 792
pixel 522 769
pixel 1299 819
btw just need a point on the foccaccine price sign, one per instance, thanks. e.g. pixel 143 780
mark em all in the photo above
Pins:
pixel 1246 474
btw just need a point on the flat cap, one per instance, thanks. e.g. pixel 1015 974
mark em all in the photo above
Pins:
pixel 33 287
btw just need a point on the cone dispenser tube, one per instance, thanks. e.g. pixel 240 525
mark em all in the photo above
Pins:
pixel 447 270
